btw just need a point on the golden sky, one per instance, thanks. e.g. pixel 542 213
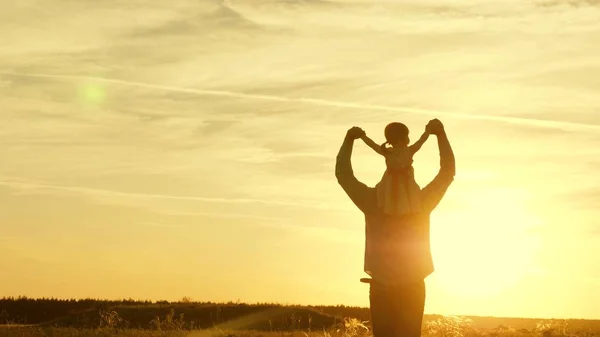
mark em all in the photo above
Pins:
pixel 156 150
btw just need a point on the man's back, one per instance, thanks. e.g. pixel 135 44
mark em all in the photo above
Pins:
pixel 397 249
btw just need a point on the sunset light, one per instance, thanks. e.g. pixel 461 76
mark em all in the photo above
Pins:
pixel 231 152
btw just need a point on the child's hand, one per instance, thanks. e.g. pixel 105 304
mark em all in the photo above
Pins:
pixel 428 128
pixel 434 127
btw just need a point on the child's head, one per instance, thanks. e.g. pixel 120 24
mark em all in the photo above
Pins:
pixel 396 134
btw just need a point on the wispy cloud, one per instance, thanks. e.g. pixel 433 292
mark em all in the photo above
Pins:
pixel 583 198
pixel 572 3
pixel 232 215
pixel 31 186
pixel 333 103
pixel 156 224
pixel 215 140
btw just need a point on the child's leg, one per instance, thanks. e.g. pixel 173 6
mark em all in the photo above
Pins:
pixel 394 193
pixel 413 192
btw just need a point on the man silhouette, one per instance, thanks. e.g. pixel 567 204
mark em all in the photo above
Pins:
pixel 397 250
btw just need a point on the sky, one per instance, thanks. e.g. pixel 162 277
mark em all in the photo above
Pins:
pixel 156 150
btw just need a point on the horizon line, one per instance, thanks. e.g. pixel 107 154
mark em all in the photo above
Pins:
pixel 274 304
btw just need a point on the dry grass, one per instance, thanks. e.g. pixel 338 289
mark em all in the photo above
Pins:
pixel 173 326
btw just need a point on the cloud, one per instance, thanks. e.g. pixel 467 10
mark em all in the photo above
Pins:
pixel 231 215
pixel 214 126
pixel 586 198
pixel 205 22
pixel 570 3
pixel 594 230
pixel 156 224
pixel 332 103
pixel 33 187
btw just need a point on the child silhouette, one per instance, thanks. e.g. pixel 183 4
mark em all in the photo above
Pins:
pixel 397 192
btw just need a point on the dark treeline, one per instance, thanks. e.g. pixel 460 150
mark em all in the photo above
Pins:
pixel 140 313
pixel 23 310
pixel 234 315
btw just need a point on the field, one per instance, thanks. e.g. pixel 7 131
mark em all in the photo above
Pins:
pixel 50 317
pixel 443 327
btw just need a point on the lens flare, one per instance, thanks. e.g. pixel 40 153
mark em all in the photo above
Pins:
pixel 93 93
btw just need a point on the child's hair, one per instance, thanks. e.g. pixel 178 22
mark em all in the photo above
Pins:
pixel 395 133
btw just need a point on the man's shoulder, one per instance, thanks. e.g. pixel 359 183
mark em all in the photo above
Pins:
pixel 434 192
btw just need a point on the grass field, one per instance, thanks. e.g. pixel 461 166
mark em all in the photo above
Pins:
pixel 111 324
pixel 27 317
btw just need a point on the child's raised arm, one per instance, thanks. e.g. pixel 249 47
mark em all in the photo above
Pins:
pixel 419 143
pixel 376 147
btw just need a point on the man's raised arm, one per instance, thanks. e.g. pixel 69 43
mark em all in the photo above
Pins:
pixel 358 192
pixel 433 193
pixel 447 161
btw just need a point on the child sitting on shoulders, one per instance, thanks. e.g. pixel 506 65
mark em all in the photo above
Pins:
pixel 398 192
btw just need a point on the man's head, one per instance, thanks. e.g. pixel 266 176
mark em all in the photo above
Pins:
pixel 396 134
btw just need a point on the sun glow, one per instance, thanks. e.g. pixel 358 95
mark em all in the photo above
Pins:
pixel 488 251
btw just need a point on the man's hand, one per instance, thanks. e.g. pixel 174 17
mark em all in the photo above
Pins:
pixel 435 127
pixel 355 133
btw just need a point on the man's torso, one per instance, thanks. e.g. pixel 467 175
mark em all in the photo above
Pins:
pixel 397 248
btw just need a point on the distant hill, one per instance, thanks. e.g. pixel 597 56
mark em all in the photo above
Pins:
pixel 86 313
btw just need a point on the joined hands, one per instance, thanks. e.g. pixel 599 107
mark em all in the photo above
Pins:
pixel 435 127
pixel 355 133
